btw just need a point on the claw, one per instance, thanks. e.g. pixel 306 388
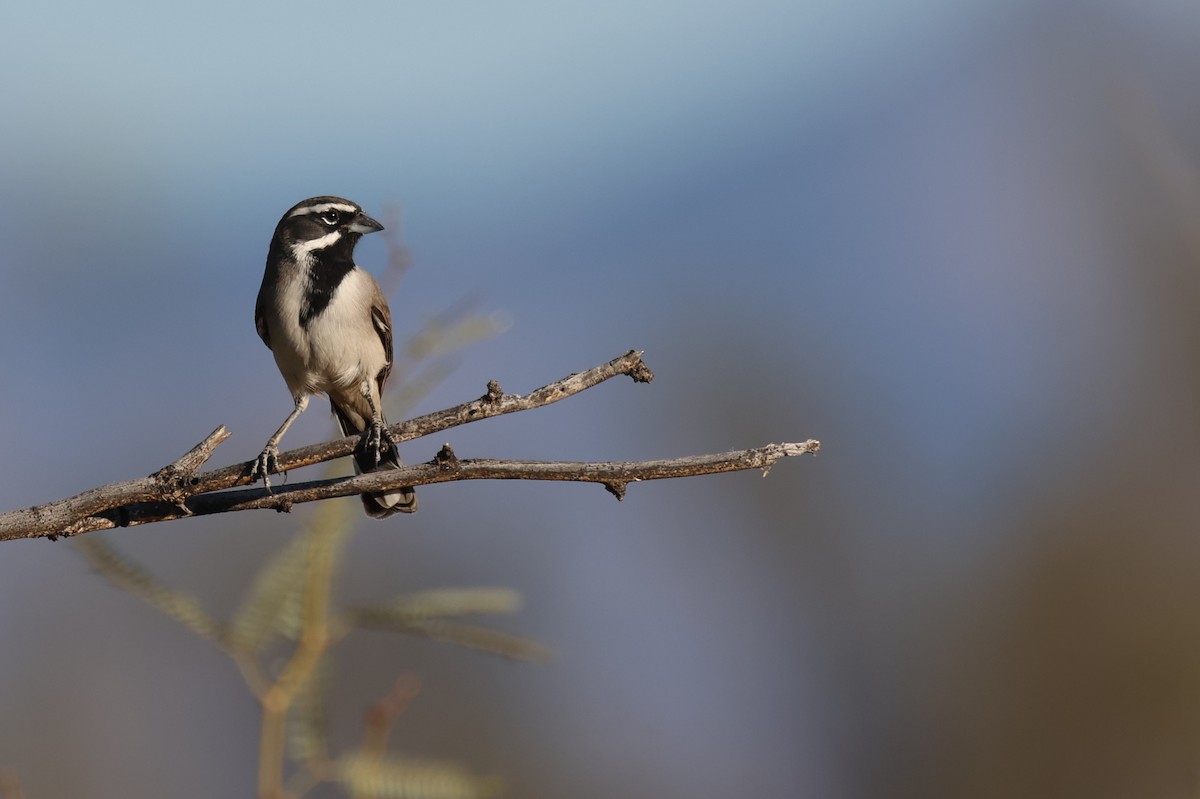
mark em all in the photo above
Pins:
pixel 379 440
pixel 371 442
pixel 266 462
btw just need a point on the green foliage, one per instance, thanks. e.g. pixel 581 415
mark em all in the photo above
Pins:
pixel 185 609
pixel 396 778
pixel 443 602
pixel 307 720
pixel 426 614
pixel 272 607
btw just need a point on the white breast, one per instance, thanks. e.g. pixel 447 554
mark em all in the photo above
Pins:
pixel 340 347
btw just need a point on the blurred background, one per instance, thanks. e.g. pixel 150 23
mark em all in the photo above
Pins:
pixel 958 242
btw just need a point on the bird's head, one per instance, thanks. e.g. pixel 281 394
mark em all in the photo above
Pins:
pixel 320 226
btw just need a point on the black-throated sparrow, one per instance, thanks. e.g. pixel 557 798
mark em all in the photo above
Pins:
pixel 330 329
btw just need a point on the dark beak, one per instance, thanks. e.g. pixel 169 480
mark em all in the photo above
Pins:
pixel 364 224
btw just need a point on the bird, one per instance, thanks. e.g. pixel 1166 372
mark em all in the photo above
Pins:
pixel 327 323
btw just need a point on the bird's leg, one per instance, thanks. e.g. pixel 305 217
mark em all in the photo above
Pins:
pixel 268 460
pixel 378 435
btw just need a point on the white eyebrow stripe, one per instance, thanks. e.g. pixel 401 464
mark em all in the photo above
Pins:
pixel 303 249
pixel 322 208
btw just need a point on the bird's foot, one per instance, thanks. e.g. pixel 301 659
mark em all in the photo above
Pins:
pixel 379 441
pixel 266 462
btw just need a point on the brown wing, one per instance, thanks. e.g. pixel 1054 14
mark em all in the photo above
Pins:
pixel 381 319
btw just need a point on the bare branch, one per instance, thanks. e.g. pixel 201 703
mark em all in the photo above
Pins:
pixel 445 468
pixel 171 484
pixel 178 491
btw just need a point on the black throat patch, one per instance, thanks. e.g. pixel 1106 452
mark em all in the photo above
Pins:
pixel 325 271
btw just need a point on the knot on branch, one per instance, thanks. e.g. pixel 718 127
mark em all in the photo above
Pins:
pixel 445 459
pixel 637 369
pixel 175 484
pixel 494 394
pixel 616 489
pixel 173 478
pixel 179 480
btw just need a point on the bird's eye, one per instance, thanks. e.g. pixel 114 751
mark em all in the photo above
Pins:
pixel 331 217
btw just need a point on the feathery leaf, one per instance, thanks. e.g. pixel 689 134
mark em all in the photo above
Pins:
pixel 396 778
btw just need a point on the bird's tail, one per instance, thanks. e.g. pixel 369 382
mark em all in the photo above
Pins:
pixel 380 504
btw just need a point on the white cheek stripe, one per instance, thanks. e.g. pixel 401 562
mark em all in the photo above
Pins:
pixel 303 249
pixel 322 208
